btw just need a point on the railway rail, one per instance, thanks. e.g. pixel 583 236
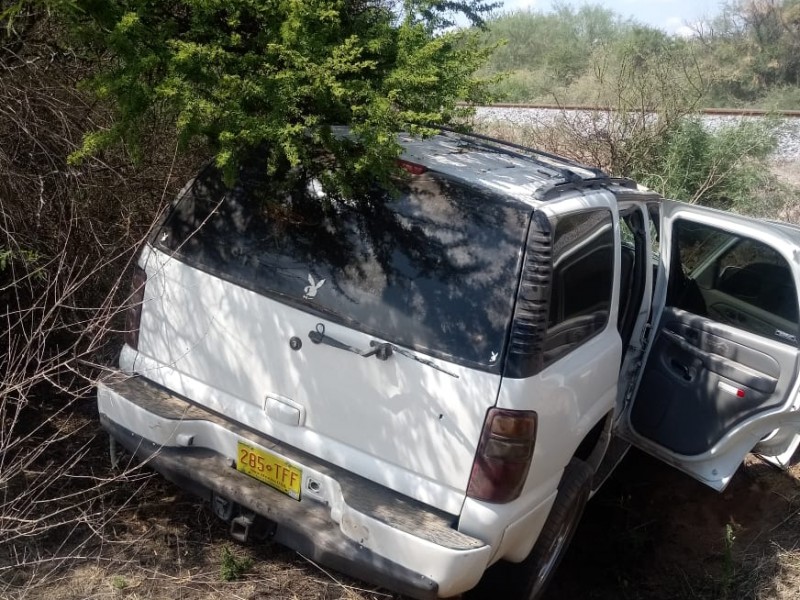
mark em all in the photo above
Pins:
pixel 733 112
pixel 537 115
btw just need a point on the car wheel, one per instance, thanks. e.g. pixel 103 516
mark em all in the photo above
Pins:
pixel 528 579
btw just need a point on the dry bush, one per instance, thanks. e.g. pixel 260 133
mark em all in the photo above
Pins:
pixel 648 86
pixel 648 131
pixel 67 237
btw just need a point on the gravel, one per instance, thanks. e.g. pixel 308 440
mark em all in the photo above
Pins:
pixel 788 149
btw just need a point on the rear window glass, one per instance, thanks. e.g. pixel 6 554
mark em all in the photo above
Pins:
pixel 433 266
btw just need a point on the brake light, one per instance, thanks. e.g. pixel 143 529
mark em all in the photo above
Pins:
pixel 413 168
pixel 504 455
pixel 134 313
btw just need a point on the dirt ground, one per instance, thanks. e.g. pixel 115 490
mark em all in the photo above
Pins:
pixel 650 533
pixel 788 171
pixel 653 532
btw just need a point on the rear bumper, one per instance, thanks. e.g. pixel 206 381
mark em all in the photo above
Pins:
pixel 342 521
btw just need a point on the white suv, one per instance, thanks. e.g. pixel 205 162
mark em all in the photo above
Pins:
pixel 416 385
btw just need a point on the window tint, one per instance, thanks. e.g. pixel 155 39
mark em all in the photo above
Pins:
pixel 735 280
pixel 583 277
pixel 434 266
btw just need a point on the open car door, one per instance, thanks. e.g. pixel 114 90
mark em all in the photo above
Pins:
pixel 720 376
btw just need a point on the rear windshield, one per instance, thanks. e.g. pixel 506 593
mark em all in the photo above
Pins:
pixel 433 266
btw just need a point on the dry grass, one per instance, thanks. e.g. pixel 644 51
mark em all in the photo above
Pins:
pixel 652 533
pixel 134 535
pixel 620 145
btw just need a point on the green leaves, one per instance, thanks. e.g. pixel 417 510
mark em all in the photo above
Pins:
pixel 722 168
pixel 279 74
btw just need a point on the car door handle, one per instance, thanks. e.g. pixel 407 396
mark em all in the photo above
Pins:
pixel 681 342
pixel 684 371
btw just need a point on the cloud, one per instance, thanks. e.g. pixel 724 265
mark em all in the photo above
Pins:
pixel 681 27
pixel 673 23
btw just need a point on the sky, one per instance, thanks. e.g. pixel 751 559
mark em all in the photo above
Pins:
pixel 669 15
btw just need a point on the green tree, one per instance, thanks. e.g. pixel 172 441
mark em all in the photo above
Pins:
pixel 753 49
pixel 279 75
pixel 540 52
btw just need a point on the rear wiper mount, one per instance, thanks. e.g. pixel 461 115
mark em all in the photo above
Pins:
pixel 380 350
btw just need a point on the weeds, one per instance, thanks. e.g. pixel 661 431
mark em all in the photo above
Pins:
pixel 726 168
pixel 26 257
pixel 67 238
pixel 118 582
pixel 721 168
pixel 231 566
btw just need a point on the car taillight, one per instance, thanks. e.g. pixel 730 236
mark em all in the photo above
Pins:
pixel 413 168
pixel 504 455
pixel 134 313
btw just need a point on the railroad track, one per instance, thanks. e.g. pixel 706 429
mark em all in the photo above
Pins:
pixel 733 112
pixel 537 115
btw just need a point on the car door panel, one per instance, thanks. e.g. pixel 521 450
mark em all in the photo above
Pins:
pixel 719 345
pixel 704 378
pixel 725 365
pixel 720 376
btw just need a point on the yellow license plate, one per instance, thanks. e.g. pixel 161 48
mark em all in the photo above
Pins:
pixel 269 469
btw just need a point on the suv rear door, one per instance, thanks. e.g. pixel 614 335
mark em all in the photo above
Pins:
pixel 721 374
pixel 256 305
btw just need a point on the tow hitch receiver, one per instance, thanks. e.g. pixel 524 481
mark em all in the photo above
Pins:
pixel 248 525
pixel 241 526
pixel 245 524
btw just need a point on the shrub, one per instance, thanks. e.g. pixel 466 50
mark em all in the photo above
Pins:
pixel 720 167
pixel 726 167
pixel 231 566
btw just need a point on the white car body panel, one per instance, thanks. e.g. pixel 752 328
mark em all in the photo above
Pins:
pixel 716 467
pixel 455 571
pixel 570 397
pixel 403 424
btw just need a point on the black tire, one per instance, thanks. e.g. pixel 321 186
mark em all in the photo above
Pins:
pixel 527 580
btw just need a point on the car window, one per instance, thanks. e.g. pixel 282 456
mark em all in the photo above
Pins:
pixel 734 279
pixel 583 277
pixel 433 266
pixel 755 273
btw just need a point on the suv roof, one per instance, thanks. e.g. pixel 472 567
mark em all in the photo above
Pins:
pixel 527 175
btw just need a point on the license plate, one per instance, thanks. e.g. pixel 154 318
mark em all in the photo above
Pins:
pixel 269 469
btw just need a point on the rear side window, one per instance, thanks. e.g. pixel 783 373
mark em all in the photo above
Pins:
pixel 583 279
pixel 433 267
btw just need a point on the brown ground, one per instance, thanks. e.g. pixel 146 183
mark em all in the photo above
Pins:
pixel 788 171
pixel 651 533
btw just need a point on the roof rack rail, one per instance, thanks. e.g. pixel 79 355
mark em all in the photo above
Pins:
pixel 568 173
pixel 549 191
